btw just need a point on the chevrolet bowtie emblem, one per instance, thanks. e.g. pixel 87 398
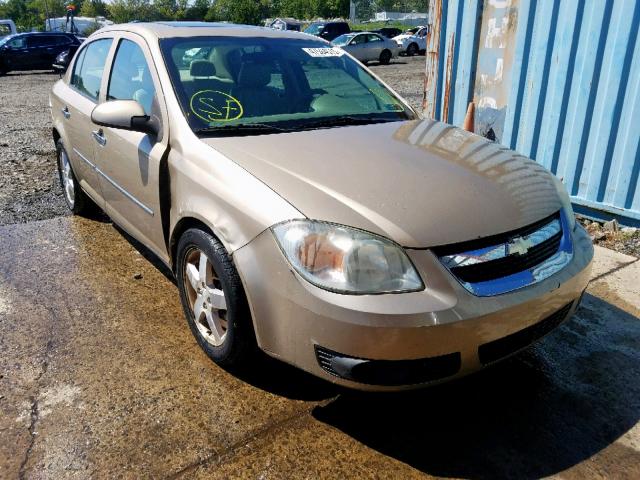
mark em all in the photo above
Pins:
pixel 519 246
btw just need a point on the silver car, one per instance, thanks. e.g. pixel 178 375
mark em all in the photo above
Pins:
pixel 367 46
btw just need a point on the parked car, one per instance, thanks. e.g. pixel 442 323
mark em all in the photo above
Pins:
pixel 368 46
pixel 63 59
pixel 33 51
pixel 388 32
pixel 7 27
pixel 328 30
pixel 194 54
pixel 413 41
pixel 304 207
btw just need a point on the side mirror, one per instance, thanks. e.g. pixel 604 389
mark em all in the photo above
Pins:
pixel 123 114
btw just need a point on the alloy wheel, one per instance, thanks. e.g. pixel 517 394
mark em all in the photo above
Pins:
pixel 68 183
pixel 206 297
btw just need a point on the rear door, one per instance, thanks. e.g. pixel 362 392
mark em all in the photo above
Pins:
pixel 374 46
pixel 75 101
pixel 38 47
pixel 128 162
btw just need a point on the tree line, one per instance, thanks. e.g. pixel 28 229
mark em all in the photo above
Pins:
pixel 30 14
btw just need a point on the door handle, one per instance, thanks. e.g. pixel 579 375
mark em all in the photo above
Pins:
pixel 98 135
pixel 66 113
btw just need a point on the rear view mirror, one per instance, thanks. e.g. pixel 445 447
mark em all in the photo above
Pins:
pixel 124 114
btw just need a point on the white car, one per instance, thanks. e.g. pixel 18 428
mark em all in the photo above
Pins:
pixel 412 41
pixel 7 27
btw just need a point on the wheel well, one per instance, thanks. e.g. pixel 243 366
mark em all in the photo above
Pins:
pixel 182 226
pixel 56 135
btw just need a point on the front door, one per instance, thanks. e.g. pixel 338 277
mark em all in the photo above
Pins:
pixel 128 162
pixel 42 50
pixel 17 55
pixel 357 47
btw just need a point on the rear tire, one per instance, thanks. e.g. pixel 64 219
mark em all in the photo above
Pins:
pixel 412 49
pixel 77 201
pixel 385 57
pixel 213 299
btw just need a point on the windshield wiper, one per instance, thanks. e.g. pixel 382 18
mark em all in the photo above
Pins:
pixel 240 130
pixel 346 121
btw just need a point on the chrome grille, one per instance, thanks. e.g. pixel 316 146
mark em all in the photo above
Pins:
pixel 509 261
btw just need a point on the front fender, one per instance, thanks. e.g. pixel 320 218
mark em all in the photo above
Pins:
pixel 209 187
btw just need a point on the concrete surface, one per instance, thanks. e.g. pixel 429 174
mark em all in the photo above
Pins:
pixel 100 377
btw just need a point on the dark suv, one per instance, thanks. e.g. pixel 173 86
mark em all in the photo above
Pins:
pixel 388 32
pixel 328 30
pixel 33 51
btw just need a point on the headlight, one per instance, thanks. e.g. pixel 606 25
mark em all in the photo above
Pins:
pixel 566 202
pixel 346 260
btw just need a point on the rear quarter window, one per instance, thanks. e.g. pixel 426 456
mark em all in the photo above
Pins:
pixel 88 69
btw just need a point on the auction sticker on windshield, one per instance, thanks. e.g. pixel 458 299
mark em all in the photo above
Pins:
pixel 324 52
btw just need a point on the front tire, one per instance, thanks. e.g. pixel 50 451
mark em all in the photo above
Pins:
pixel 77 201
pixel 213 299
pixel 412 49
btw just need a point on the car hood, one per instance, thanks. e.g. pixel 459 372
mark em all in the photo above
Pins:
pixel 421 183
pixel 402 38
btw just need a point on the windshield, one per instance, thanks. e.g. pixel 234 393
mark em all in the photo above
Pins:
pixel 314 28
pixel 284 84
pixel 342 40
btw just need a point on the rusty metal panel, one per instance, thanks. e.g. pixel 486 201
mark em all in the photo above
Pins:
pixel 558 81
pixel 451 58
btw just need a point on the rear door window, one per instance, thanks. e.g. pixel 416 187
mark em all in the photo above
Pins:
pixel 359 39
pixel 41 40
pixel 88 69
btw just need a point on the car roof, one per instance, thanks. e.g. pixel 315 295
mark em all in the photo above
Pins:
pixel 201 29
pixel 43 33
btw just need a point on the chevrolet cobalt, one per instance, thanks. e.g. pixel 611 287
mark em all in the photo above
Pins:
pixel 306 209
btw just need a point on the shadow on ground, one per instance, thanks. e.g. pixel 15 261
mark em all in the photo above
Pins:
pixel 534 415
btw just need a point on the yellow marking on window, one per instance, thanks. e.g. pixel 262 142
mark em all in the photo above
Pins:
pixel 215 106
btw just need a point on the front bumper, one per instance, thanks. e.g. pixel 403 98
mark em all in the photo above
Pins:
pixel 440 330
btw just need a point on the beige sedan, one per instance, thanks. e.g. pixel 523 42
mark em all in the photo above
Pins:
pixel 306 210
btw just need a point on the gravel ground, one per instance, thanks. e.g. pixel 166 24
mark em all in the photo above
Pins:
pixel 29 187
pixel 611 235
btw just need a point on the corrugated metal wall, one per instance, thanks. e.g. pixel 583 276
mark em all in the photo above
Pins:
pixel 557 80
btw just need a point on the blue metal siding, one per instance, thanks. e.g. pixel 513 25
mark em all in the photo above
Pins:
pixel 558 81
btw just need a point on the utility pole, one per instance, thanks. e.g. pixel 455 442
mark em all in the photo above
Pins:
pixel 47 25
